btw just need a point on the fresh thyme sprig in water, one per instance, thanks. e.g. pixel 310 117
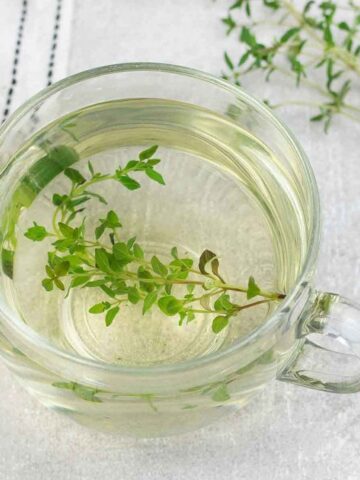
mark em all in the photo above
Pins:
pixel 119 266
pixel 318 45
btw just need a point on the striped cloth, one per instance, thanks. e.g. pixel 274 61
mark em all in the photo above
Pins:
pixel 34 41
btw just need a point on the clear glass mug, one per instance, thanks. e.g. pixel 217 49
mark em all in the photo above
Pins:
pixel 312 338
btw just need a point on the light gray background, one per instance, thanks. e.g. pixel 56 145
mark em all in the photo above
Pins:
pixel 287 432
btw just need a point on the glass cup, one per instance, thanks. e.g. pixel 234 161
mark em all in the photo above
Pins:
pixel 311 339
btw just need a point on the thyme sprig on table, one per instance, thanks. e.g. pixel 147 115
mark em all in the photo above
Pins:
pixel 119 267
pixel 318 45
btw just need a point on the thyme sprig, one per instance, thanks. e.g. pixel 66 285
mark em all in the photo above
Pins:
pixel 119 266
pixel 317 45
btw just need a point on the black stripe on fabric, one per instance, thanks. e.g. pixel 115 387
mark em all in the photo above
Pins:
pixel 54 42
pixel 15 65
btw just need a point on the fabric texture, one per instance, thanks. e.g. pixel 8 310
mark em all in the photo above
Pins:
pixel 287 432
pixel 30 34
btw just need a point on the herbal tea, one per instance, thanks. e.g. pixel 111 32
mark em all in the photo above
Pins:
pixel 135 238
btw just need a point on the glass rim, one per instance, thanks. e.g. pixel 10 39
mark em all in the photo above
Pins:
pixel 36 341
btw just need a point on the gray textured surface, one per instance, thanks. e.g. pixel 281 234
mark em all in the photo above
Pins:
pixel 288 432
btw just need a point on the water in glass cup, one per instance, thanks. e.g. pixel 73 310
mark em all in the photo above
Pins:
pixel 209 202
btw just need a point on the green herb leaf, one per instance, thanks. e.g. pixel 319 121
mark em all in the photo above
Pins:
pixel 64 385
pixel 48 284
pixel 129 182
pixel 221 394
pixel 219 323
pixel 112 220
pixel 307 6
pixel 85 393
pixel 247 37
pixel 109 291
pixel 149 301
pixel 37 233
pixel 77 201
pixel 122 253
pixel 149 152
pixel 61 269
pixel 97 196
pixel 74 260
pixel 158 267
pixel 182 316
pixel 77 281
pixel 344 26
pixel 131 164
pixel 273 4
pixel 91 168
pixel 96 283
pixel 144 277
pixel 228 61
pixel 328 37
pixel 59 283
pixel 102 260
pixel 99 307
pixel 152 162
pixel 7 262
pixel 110 315
pixel 154 175
pixel 130 243
pixel 289 34
pixel 66 230
pixel 49 271
pixel 182 264
pixel 223 303
pixel 253 289
pixel 317 118
pixel 133 295
pixel 138 251
pixel 326 302
pixel 244 58
pixel 58 199
pixel 63 245
pixel 230 23
pixel 100 230
pixel 170 305
pixel 74 175
pixel 237 4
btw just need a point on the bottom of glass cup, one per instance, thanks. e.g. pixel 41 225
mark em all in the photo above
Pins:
pixel 134 339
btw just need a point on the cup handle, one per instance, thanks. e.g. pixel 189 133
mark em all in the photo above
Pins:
pixel 329 357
